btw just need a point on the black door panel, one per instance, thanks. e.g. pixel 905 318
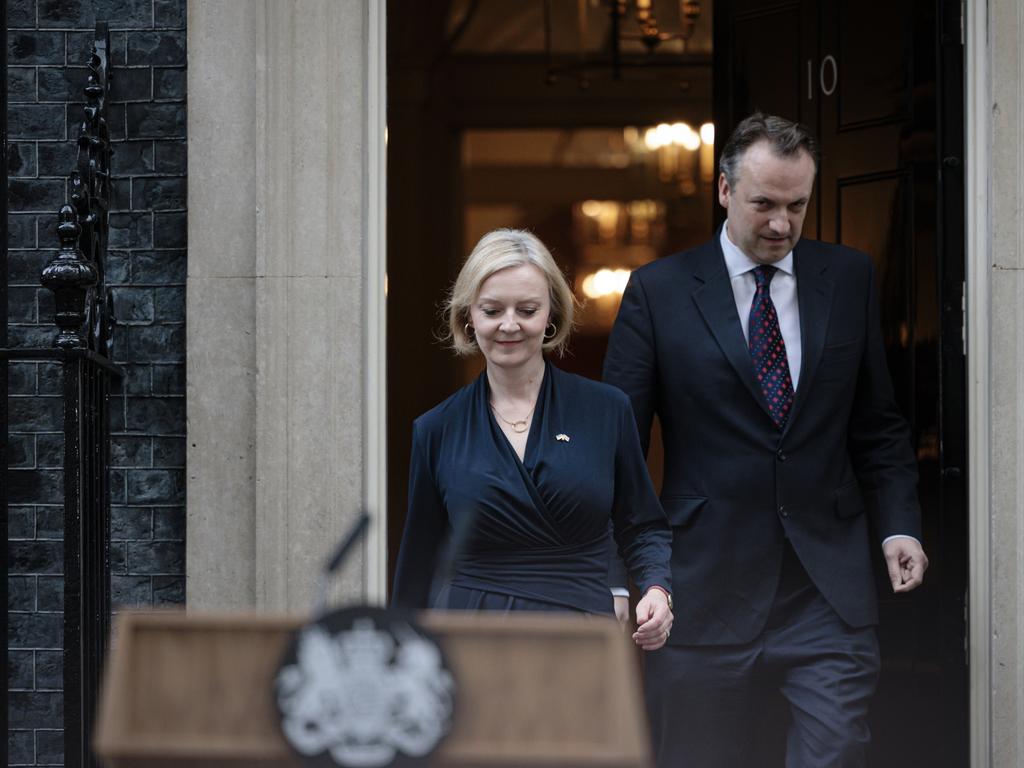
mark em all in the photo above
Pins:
pixel 882 89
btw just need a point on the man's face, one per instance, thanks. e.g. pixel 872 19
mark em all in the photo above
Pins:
pixel 768 203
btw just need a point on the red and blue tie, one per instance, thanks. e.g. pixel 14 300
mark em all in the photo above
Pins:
pixel 768 350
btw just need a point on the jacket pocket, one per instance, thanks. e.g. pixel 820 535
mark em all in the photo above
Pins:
pixel 840 362
pixel 681 510
pixel 842 349
pixel 848 500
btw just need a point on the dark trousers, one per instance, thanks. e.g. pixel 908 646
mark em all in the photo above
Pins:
pixel 707 703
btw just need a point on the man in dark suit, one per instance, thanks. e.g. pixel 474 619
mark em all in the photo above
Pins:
pixel 786 461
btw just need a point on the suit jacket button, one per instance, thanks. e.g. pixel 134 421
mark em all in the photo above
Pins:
pixel 781 454
pixel 782 511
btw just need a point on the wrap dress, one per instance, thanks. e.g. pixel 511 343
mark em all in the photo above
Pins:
pixel 532 534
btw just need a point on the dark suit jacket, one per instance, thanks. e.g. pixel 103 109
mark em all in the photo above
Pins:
pixel 735 486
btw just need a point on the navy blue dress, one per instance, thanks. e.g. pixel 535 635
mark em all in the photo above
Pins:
pixel 539 528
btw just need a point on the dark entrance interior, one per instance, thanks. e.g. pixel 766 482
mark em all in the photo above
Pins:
pixel 510 114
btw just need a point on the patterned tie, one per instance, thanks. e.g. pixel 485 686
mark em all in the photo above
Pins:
pixel 768 350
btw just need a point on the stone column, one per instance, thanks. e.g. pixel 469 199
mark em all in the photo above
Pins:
pixel 276 295
pixel 1005 110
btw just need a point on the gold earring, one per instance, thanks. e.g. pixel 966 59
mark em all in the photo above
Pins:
pixel 554 331
pixel 470 332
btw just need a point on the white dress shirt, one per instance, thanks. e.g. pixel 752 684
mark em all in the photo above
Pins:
pixel 783 292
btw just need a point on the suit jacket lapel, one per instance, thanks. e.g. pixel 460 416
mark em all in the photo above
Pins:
pixel 814 297
pixel 717 304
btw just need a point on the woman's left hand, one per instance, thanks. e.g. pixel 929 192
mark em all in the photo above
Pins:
pixel 654 620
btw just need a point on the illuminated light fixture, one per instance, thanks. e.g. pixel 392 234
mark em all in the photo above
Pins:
pixel 605 215
pixel 688 138
pixel 707 133
pixel 680 132
pixel 671 145
pixel 605 282
pixel 651 34
pixel 644 27
pixel 651 139
pixel 707 153
pixel 677 134
pixel 663 133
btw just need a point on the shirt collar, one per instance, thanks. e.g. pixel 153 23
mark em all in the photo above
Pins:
pixel 738 263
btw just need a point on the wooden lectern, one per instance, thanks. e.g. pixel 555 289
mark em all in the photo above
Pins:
pixel 534 690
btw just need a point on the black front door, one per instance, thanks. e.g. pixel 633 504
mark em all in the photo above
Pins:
pixel 881 87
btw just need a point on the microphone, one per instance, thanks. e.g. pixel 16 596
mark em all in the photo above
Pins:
pixel 341 554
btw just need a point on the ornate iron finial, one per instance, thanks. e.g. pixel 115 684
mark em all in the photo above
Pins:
pixel 76 274
pixel 72 280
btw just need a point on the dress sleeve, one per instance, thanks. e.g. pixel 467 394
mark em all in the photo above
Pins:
pixel 426 525
pixel 641 528
pixel 618 576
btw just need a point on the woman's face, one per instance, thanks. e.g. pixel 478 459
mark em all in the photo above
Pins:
pixel 510 314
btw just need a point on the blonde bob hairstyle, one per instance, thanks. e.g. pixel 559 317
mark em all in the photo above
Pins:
pixel 498 250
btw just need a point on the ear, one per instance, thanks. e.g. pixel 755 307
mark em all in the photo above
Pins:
pixel 723 191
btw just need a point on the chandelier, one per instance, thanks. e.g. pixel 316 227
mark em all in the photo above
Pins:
pixel 682 153
pixel 629 21
pixel 650 33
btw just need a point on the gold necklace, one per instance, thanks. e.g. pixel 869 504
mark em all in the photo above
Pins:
pixel 517 426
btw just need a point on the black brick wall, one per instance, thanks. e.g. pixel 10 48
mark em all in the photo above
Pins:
pixel 48 43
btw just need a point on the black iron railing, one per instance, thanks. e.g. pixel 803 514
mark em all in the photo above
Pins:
pixel 3 381
pixel 82 346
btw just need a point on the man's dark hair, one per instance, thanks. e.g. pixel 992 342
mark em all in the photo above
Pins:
pixel 785 137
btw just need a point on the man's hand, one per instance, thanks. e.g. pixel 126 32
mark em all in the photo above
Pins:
pixel 906 561
pixel 653 619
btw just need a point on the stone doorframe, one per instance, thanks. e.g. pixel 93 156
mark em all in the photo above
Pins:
pixel 994 318
pixel 976 319
pixel 285 299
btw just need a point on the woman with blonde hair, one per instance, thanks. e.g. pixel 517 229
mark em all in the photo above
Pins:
pixel 533 464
